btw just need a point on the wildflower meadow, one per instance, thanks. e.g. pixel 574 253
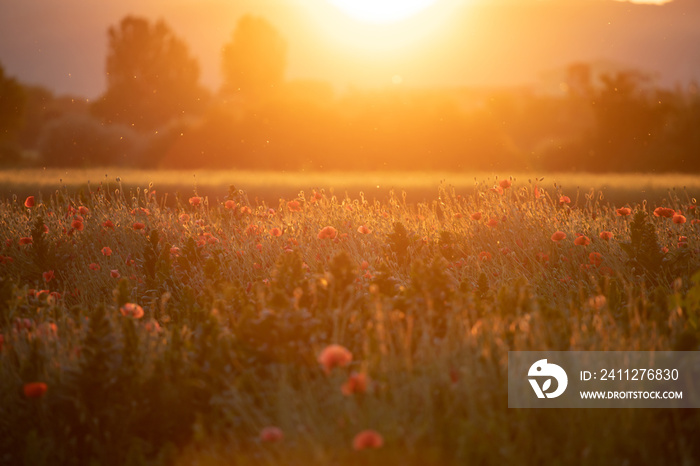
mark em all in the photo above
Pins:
pixel 137 328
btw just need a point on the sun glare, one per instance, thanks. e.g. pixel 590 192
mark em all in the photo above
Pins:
pixel 381 11
pixel 649 2
pixel 377 29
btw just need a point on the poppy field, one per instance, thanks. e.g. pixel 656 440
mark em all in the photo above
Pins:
pixel 328 329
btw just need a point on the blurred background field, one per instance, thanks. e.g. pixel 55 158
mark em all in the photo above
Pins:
pixel 270 186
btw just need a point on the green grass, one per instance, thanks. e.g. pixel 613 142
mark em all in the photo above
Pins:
pixel 429 302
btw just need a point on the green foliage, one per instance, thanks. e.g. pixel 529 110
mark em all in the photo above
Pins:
pixel 643 249
pixel 399 242
pixel 122 293
pixel 343 271
pixel 40 246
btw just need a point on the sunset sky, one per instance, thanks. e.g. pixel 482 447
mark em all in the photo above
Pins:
pixel 61 44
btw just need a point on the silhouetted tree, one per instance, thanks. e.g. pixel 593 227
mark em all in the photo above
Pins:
pixel 629 121
pixel 254 60
pixel 12 103
pixel 39 109
pixel 151 77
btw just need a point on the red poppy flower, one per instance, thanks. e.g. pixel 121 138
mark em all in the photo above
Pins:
pixel 485 256
pixel 476 216
pixel 582 241
pixel 271 434
pixel 246 210
pixel 253 229
pixel 131 310
pixel 356 384
pixel 29 202
pixel 505 184
pixel 94 266
pixel 664 212
pixel 367 439
pixel 276 232
pixel 77 225
pixel 139 226
pixel 106 251
pixel 48 276
pixel 364 230
pixel 25 240
pixel 195 201
pixel 624 211
pixel 597 302
pixel 558 236
pixel 294 206
pixel 83 210
pixel 327 232
pixel 141 210
pixel 564 200
pixel 595 258
pixel 678 219
pixel 230 205
pixel 492 222
pixel 108 224
pixel 35 389
pixel 334 356
pixel 114 273
pixel 606 235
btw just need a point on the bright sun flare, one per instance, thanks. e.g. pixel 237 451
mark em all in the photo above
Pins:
pixel 381 11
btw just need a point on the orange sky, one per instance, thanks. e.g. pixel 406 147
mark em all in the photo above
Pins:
pixel 62 43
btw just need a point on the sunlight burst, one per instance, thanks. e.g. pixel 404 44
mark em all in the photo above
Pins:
pixel 381 11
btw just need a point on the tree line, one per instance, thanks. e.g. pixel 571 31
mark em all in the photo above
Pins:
pixel 156 113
